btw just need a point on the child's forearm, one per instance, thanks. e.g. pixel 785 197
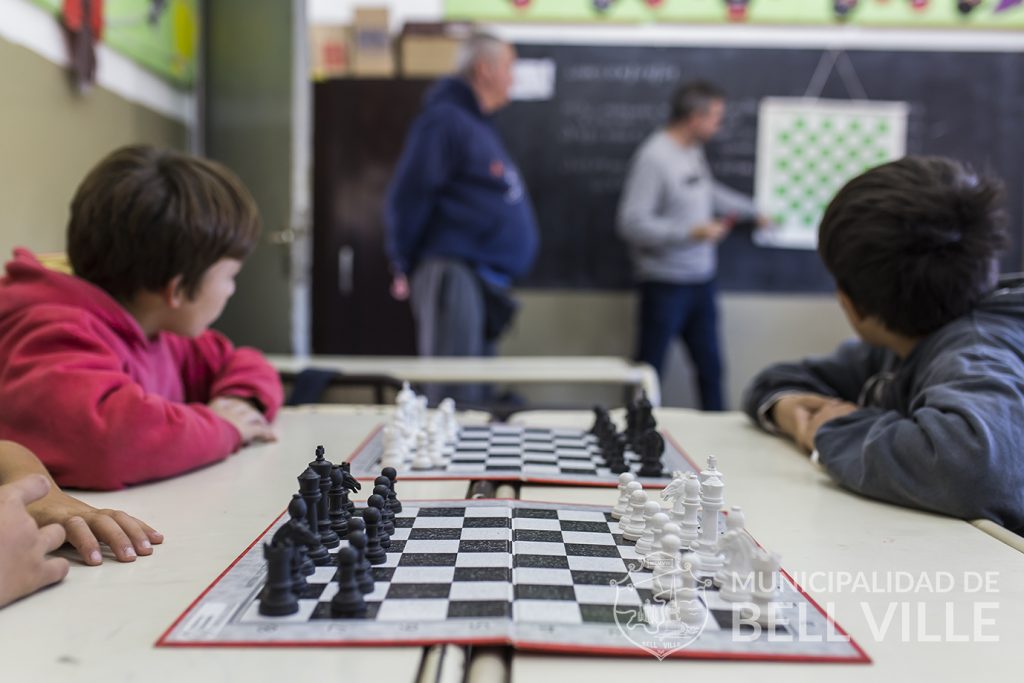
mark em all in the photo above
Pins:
pixel 16 461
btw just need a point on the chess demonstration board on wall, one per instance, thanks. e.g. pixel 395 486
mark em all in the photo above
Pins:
pixel 807 149
pixel 506 452
pixel 535 576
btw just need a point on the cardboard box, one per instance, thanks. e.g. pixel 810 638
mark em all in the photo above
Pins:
pixel 329 52
pixel 429 50
pixel 372 53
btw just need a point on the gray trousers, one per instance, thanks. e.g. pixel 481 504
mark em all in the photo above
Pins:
pixel 448 306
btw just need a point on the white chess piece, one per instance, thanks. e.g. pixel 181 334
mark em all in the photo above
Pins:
pixel 421 412
pixel 686 606
pixel 394 450
pixel 643 544
pixel 706 554
pixel 621 507
pixel 422 460
pixel 451 424
pixel 686 512
pixel 435 442
pixel 651 538
pixel 711 470
pixel 734 523
pixel 665 565
pixel 632 525
pixel 765 566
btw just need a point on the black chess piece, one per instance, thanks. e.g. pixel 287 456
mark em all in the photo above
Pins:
pixel 600 420
pixel 364 573
pixel 296 533
pixel 348 602
pixel 376 502
pixel 323 467
pixel 351 484
pixel 387 519
pixel 277 598
pixel 337 505
pixel 309 488
pixel 392 474
pixel 651 446
pixel 374 552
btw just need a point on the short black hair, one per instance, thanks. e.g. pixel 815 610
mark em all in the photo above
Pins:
pixel 915 242
pixel 145 215
pixel 692 98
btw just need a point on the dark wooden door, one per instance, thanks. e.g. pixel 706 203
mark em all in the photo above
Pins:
pixel 359 129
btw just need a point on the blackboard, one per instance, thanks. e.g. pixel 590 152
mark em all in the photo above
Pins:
pixel 574 149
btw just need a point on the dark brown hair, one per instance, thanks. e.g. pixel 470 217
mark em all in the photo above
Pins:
pixel 914 242
pixel 692 98
pixel 143 216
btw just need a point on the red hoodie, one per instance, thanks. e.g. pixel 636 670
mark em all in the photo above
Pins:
pixel 99 403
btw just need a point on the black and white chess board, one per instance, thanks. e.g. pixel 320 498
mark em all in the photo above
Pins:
pixel 507 452
pixel 536 576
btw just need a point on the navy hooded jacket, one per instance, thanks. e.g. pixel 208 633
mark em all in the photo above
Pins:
pixel 456 192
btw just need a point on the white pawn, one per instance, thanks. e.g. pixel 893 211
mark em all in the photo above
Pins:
pixel 420 411
pixel 765 566
pixel 665 566
pixel 686 606
pixel 643 544
pixel 622 506
pixel 422 460
pixel 734 523
pixel 435 441
pixel 632 525
pixel 450 423
pixel 651 538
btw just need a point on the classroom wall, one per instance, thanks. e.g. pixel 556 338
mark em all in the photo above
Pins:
pixel 756 329
pixel 52 137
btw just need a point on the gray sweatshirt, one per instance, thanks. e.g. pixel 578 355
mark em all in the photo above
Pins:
pixel 669 191
pixel 942 430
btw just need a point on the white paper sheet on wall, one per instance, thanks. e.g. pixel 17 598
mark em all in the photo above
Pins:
pixel 533 79
pixel 809 148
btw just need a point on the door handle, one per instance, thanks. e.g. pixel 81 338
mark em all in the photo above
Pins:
pixel 346 263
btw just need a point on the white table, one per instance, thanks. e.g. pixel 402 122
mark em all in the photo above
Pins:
pixel 502 369
pixel 100 625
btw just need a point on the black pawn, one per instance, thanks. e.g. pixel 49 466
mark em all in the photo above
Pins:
pixel 387 519
pixel 652 445
pixel 277 598
pixel 338 507
pixel 348 602
pixel 364 575
pixel 374 552
pixel 376 502
pixel 323 467
pixel 309 488
pixel 392 475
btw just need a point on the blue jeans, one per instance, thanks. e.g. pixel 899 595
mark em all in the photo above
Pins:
pixel 691 313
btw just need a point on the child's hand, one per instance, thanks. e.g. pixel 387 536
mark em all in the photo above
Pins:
pixel 244 417
pixel 24 566
pixel 792 413
pixel 830 411
pixel 87 527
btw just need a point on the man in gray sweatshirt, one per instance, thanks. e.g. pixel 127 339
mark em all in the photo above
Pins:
pixel 927 410
pixel 673 214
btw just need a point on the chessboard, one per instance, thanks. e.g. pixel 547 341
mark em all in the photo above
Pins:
pixel 534 576
pixel 508 452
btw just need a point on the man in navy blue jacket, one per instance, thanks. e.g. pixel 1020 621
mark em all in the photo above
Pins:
pixel 460 225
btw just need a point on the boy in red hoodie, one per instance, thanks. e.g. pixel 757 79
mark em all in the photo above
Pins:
pixel 111 376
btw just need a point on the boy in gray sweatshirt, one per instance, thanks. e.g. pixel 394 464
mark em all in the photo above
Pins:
pixel 927 409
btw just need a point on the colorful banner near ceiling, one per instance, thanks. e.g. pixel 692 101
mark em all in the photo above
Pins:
pixel 161 35
pixel 989 14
